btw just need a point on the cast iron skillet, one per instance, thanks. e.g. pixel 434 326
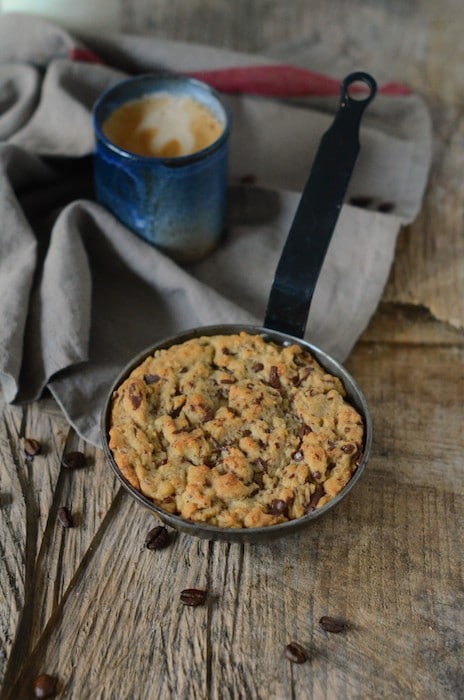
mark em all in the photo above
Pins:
pixel 288 304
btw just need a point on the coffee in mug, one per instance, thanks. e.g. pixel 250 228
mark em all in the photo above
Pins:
pixel 163 126
pixel 160 162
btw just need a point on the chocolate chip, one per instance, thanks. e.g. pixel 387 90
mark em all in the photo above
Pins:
pixel 262 462
pixel 297 456
pixel 134 396
pixel 175 412
pixel 74 460
pixel 226 351
pixel 334 625
pixel 296 653
pixel 157 538
pixel 274 379
pixel 193 597
pixel 257 367
pixel 151 378
pixel 44 686
pixel 348 449
pixel 32 447
pixel 209 415
pixel 304 430
pixel 227 381
pixel 278 507
pixel 65 517
pixel 315 498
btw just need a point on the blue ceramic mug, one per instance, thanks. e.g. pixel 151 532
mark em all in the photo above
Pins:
pixel 175 202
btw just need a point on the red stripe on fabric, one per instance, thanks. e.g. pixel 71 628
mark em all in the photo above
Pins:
pixel 84 55
pixel 279 80
pixel 282 81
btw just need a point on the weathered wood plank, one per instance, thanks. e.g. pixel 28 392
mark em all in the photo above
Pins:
pixel 122 631
pixel 27 488
pixel 41 557
pixel 388 560
pixel 412 325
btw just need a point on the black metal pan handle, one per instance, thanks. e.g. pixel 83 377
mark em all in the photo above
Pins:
pixel 317 213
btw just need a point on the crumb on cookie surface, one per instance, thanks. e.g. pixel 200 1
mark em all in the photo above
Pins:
pixel 235 431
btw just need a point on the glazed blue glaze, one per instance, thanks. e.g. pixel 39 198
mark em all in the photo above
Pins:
pixel 176 204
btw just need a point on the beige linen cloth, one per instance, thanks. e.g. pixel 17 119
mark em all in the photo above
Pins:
pixel 80 294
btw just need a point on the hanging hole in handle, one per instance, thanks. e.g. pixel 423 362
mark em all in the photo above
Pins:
pixel 359 87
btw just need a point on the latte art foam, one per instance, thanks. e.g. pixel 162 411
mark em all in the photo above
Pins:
pixel 162 126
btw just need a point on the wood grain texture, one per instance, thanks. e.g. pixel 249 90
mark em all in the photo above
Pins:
pixel 94 607
pixel 388 560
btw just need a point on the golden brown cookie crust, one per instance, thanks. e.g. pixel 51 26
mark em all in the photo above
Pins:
pixel 235 431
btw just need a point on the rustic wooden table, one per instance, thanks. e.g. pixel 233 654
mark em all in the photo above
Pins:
pixel 100 612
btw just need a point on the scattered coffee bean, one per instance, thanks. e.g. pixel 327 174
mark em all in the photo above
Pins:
pixel 332 624
pixel 74 460
pixel 296 653
pixel 193 596
pixel 45 686
pixel 65 517
pixel 32 447
pixel 157 538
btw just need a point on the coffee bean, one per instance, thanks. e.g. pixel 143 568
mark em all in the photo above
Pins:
pixel 74 460
pixel 332 624
pixel 193 596
pixel 296 653
pixel 157 538
pixel 65 517
pixel 32 447
pixel 45 686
